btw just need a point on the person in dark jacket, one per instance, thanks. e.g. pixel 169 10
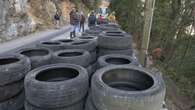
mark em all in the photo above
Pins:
pixel 74 22
pixel 57 19
pixel 92 20
pixel 82 22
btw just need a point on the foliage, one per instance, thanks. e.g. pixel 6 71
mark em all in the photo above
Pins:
pixel 90 4
pixel 129 15
pixel 169 32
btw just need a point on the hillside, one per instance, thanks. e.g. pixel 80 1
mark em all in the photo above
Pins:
pixel 21 17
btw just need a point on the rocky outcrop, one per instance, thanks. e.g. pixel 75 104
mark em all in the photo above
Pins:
pixel 21 17
pixel 14 20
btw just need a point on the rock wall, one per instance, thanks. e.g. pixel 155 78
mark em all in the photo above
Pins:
pixel 21 17
pixel 14 20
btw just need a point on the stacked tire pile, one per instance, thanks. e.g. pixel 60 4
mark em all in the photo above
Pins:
pixel 125 87
pixel 13 69
pixel 74 56
pixel 93 31
pixel 87 44
pixel 119 84
pixel 38 56
pixel 91 72
pixel 115 41
pixel 52 45
pixel 56 87
pixel 43 90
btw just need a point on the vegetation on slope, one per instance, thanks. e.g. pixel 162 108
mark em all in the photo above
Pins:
pixel 172 30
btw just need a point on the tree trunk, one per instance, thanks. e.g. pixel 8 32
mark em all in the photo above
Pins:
pixel 149 11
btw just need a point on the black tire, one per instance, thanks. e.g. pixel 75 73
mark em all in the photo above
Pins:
pixel 37 56
pixel 93 32
pixel 86 45
pixel 93 56
pixel 97 28
pixel 127 87
pixel 103 51
pixel 10 90
pixel 85 34
pixel 65 41
pixel 13 68
pixel 52 45
pixel 56 86
pixel 15 103
pixel 88 38
pixel 115 41
pixel 91 69
pixel 73 56
pixel 77 106
pixel 115 32
pixel 111 26
pixel 105 28
pixel 89 104
pixel 116 59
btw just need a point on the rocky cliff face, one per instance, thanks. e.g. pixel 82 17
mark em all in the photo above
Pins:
pixel 14 20
pixel 21 17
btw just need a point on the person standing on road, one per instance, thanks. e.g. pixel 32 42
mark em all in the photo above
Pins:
pixel 92 20
pixel 112 18
pixel 77 21
pixel 72 14
pixel 74 22
pixel 82 22
pixel 57 19
pixel 100 19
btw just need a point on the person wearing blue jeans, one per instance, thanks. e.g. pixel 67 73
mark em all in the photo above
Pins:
pixel 74 21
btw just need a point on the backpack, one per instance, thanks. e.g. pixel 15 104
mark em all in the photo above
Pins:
pixel 57 16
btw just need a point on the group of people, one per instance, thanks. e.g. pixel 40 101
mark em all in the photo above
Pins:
pixel 78 19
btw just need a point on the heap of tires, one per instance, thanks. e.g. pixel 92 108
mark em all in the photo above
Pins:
pixel 95 71
pixel 125 87
pixel 56 87
pixel 13 69
pixel 115 41
pixel 38 56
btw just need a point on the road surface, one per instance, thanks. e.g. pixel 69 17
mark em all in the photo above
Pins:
pixel 34 38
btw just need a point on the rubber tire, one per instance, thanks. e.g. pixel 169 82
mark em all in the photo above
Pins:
pixel 115 41
pixel 93 56
pixel 85 34
pixel 103 51
pixel 89 104
pixel 77 106
pixel 15 103
pixel 65 41
pixel 102 61
pixel 104 28
pixel 14 72
pixel 79 44
pixel 88 38
pixel 38 60
pixel 119 31
pixel 10 90
pixel 82 60
pixel 56 94
pixel 111 25
pixel 108 98
pixel 91 69
pixel 93 32
pixel 56 47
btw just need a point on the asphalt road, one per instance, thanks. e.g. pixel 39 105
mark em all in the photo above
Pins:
pixel 34 38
